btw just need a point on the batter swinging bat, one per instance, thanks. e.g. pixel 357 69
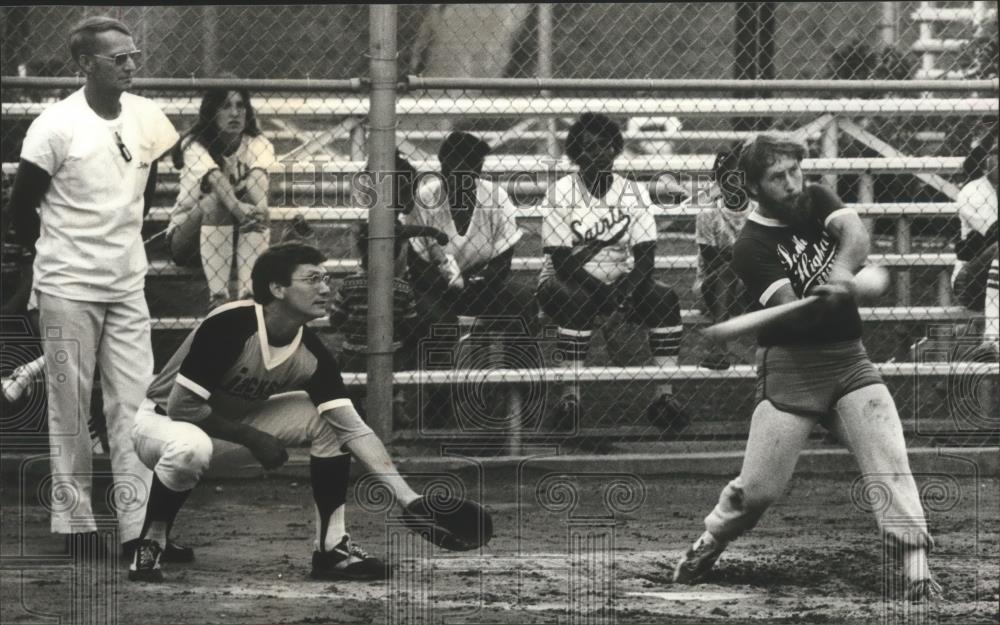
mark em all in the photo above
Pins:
pixel 871 281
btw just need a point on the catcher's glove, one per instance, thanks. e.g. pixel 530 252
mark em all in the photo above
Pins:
pixel 448 522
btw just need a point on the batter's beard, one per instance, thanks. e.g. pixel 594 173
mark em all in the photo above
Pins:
pixel 791 210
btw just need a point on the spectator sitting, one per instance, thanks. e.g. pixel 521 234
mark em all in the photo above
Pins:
pixel 726 206
pixel 349 313
pixel 977 213
pixel 223 162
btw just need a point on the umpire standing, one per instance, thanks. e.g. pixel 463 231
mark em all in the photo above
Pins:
pixel 86 175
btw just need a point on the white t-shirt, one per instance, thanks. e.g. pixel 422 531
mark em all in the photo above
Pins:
pixel 492 230
pixel 716 226
pixel 253 153
pixel 977 206
pixel 90 245
pixel 977 211
pixel 622 219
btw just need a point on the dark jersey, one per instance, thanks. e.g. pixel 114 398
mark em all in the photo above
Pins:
pixel 228 361
pixel 769 254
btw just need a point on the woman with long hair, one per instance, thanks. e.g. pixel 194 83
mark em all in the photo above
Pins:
pixel 221 210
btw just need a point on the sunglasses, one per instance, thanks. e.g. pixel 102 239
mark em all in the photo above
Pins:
pixel 122 148
pixel 122 57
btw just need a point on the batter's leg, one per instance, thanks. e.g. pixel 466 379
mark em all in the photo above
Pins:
pixel 776 438
pixel 867 422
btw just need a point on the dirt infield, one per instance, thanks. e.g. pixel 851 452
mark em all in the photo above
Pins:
pixel 595 548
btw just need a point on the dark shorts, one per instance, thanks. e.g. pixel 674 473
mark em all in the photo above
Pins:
pixel 808 380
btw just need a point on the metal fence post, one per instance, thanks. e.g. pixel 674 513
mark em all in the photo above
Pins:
pixel 381 150
pixel 545 71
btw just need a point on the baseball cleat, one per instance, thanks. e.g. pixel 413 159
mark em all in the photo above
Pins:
pixel 698 560
pixel 174 552
pixel 926 589
pixel 145 565
pixel 667 413
pixel 347 562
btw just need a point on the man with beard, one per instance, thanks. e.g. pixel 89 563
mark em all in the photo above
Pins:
pixel 811 366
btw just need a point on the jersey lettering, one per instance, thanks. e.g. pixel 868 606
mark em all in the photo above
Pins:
pixel 807 263
pixel 616 216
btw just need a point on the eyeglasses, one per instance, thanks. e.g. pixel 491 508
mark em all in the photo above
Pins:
pixel 315 279
pixel 123 148
pixel 122 57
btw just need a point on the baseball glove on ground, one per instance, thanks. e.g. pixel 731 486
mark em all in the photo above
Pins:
pixel 451 523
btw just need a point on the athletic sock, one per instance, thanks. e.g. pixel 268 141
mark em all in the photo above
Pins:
pixel 217 257
pixel 665 344
pixel 571 352
pixel 249 245
pixel 329 477
pixel 161 510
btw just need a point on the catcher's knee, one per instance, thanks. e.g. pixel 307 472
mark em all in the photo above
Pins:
pixel 185 460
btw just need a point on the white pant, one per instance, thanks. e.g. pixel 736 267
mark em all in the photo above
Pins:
pixel 76 337
pixel 866 421
pixel 180 452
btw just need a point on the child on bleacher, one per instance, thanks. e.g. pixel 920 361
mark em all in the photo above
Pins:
pixel 349 312
pixel 726 206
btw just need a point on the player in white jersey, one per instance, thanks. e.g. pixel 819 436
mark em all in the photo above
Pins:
pixel 223 162
pixel 469 276
pixel 252 378
pixel 599 236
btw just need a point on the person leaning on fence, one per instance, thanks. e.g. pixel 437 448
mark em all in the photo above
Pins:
pixel 349 314
pixel 470 275
pixel 724 212
pixel 977 214
pixel 599 236
pixel 221 208
pixel 86 176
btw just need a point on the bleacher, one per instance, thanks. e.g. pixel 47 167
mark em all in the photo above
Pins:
pixel 325 183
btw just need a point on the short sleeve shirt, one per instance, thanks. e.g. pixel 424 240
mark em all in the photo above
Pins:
pixel 228 361
pixel 718 227
pixel 977 207
pixel 770 254
pixel 253 153
pixel 492 230
pixel 90 243
pixel 573 218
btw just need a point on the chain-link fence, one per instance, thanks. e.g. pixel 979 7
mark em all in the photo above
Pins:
pixel 533 276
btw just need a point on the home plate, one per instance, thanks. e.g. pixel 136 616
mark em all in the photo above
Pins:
pixel 702 595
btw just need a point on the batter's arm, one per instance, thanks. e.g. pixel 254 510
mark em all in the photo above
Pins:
pixel 853 244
